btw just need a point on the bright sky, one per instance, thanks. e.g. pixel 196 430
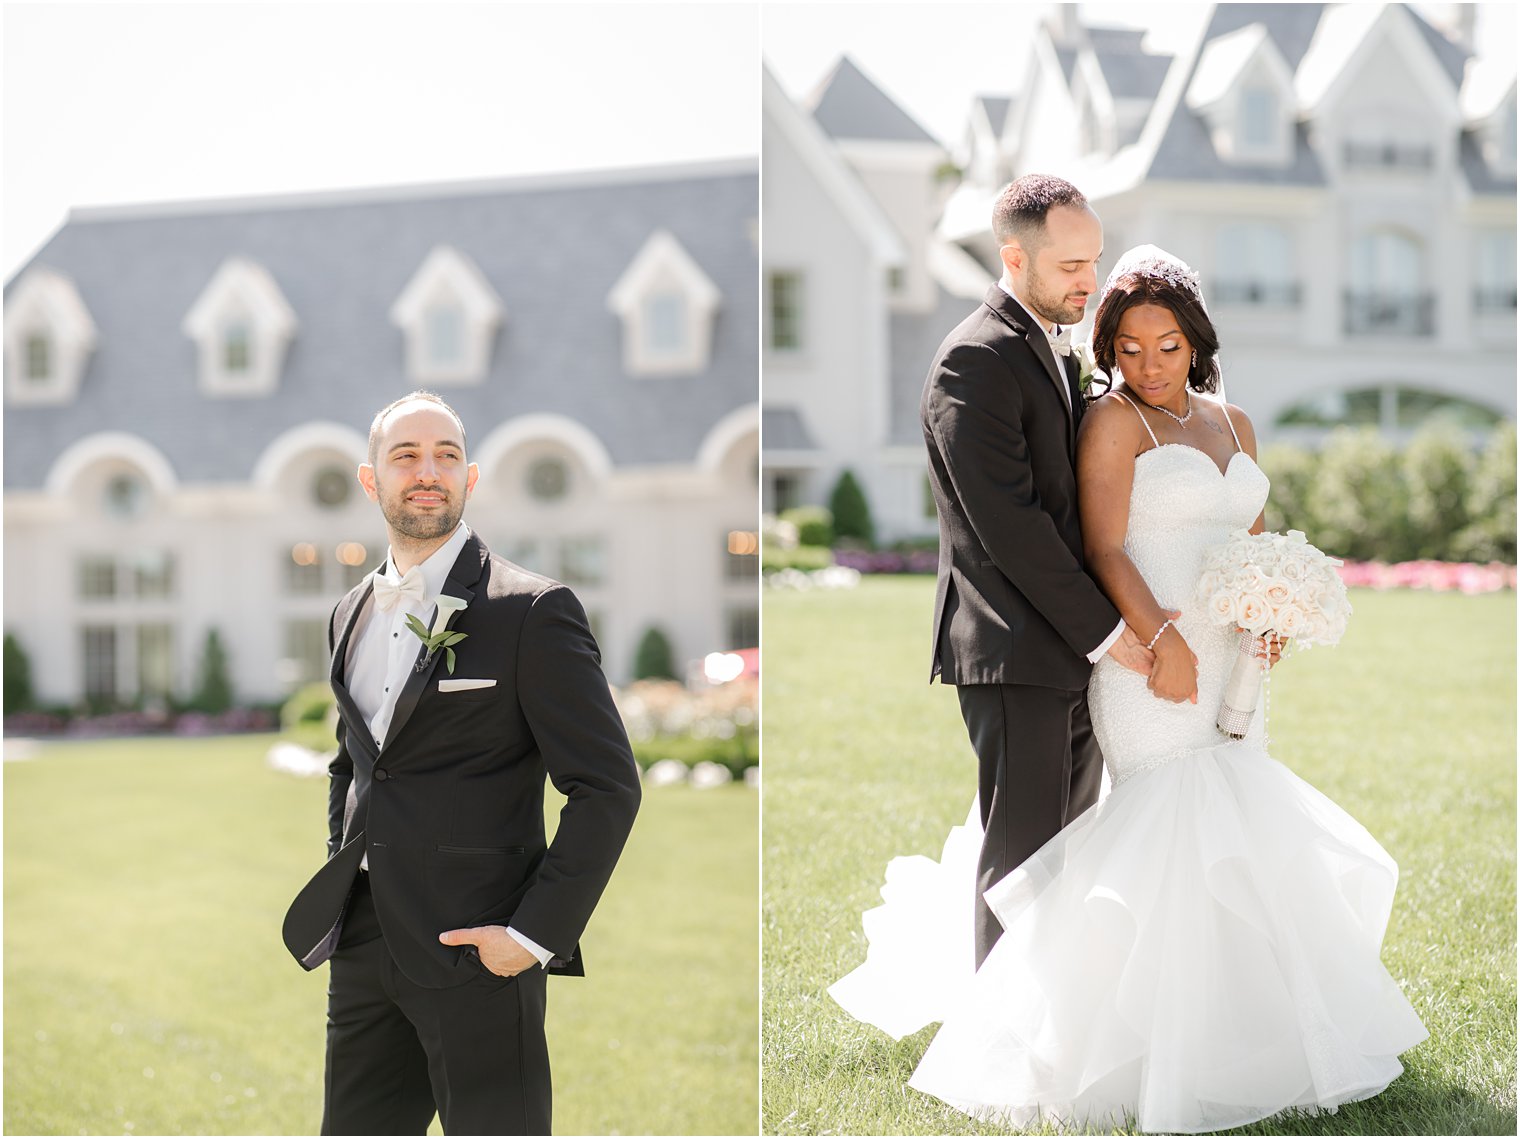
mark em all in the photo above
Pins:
pixel 109 103
pixel 933 58
pixel 128 102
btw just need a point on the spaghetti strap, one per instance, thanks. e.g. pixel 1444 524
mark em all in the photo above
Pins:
pixel 1225 408
pixel 1143 423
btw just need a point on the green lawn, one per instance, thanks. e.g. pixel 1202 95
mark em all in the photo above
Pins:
pixel 1409 724
pixel 147 989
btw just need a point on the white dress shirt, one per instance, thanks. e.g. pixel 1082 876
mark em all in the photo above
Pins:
pixel 384 651
pixel 1050 335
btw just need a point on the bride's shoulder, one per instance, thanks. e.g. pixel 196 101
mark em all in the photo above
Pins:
pixel 1111 414
pixel 1111 425
pixel 1243 426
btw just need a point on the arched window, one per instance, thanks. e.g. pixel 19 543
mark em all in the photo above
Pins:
pixel 1390 407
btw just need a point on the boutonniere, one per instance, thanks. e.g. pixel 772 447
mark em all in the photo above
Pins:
pixel 439 637
pixel 1085 366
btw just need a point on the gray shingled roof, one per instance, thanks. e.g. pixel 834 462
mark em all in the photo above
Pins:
pixel 1451 57
pixel 1130 75
pixel 1480 175
pixel 783 429
pixel 1117 40
pixel 552 251
pixel 1186 152
pixel 852 106
pixel 996 108
pixel 1067 58
pixel 1291 26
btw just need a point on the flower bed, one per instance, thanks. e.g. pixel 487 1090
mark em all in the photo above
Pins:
pixel 1442 577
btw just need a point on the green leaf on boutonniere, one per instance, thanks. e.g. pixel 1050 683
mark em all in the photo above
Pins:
pixel 433 642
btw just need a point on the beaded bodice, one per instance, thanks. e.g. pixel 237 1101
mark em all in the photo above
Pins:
pixel 1181 504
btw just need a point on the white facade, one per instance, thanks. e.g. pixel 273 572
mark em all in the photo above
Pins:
pixel 144 507
pixel 642 546
pixel 1348 199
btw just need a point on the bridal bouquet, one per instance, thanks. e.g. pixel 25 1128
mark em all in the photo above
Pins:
pixel 1269 584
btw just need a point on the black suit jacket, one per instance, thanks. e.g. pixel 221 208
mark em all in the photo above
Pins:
pixel 1013 604
pixel 451 810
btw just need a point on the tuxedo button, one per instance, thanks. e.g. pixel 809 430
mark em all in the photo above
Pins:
pixel 381 774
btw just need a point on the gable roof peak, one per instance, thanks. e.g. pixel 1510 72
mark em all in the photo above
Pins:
pixel 851 105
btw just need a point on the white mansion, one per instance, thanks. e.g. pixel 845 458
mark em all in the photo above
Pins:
pixel 1342 175
pixel 188 390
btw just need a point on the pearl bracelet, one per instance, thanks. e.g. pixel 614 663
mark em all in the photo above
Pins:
pixel 1159 631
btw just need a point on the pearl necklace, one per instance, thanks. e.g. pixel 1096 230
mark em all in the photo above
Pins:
pixel 1182 420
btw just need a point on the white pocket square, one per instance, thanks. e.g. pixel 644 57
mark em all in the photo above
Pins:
pixel 464 685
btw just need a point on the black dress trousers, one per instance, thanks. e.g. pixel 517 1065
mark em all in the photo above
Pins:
pixel 1039 767
pixel 396 1052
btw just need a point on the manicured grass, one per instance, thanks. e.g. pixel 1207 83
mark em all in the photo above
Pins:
pixel 1409 724
pixel 147 989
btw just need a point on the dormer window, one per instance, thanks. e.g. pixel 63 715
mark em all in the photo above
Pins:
pixel 667 304
pixel 1258 117
pixel 445 334
pixel 1242 89
pixel 39 358
pixel 235 350
pixel 242 325
pixel 48 339
pixel 665 323
pixel 449 314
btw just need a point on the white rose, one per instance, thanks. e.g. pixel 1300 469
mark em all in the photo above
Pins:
pixel 1291 621
pixel 1317 631
pixel 1253 613
pixel 1278 592
pixel 1223 607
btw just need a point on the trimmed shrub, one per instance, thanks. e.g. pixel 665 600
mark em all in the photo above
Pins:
pixel 213 692
pixel 852 513
pixel 1490 533
pixel 1359 501
pixel 18 678
pixel 1292 471
pixel 1437 467
pixel 805 558
pixel 815 525
pixel 653 658
pixel 309 717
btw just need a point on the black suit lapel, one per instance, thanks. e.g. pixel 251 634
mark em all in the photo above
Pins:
pixel 357 728
pixel 466 572
pixel 1024 324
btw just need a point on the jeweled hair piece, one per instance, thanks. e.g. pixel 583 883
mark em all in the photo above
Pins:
pixel 1152 261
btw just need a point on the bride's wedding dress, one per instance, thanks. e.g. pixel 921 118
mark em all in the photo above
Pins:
pixel 1200 949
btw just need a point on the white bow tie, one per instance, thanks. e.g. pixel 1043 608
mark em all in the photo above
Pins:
pixel 389 592
pixel 1061 341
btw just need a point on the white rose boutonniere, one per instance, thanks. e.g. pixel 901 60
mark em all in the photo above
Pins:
pixel 439 637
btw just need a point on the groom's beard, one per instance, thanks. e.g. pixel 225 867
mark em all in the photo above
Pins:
pixel 1054 306
pixel 420 525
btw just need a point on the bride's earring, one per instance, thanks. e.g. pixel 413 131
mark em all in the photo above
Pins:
pixel 1193 367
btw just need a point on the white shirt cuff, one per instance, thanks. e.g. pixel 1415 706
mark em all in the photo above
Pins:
pixel 1097 654
pixel 544 955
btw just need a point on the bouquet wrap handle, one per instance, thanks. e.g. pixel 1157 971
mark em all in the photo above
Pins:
pixel 1242 691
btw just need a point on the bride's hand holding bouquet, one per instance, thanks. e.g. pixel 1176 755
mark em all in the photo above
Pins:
pixel 1269 586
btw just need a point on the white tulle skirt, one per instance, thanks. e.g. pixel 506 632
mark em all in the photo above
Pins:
pixel 1198 951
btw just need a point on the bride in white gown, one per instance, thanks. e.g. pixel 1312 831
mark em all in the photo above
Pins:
pixel 1201 949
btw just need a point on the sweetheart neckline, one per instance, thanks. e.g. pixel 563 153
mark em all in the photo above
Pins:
pixel 1223 472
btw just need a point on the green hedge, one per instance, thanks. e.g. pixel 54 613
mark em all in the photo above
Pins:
pixel 807 558
pixel 1359 497
pixel 737 753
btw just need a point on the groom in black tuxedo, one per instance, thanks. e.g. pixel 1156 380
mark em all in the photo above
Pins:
pixel 441 906
pixel 1018 624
